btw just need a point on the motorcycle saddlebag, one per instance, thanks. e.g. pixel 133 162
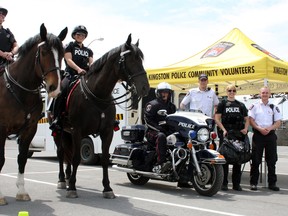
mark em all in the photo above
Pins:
pixel 133 133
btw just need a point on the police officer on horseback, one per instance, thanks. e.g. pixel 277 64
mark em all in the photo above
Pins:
pixel 8 44
pixel 78 59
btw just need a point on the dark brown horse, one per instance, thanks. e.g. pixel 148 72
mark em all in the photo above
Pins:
pixel 91 108
pixel 37 65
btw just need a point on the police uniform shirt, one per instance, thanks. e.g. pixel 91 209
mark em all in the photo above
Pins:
pixel 7 40
pixel 201 100
pixel 80 56
pixel 151 109
pixel 232 114
pixel 263 114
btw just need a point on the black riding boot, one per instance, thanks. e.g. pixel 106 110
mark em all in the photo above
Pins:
pixel 58 106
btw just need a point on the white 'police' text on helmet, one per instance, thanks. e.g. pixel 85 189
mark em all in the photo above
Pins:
pixel 79 28
pixel 162 86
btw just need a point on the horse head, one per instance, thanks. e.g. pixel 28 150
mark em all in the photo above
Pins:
pixel 48 59
pixel 132 70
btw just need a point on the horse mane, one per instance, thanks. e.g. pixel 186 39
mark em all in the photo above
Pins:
pixel 51 41
pixel 99 63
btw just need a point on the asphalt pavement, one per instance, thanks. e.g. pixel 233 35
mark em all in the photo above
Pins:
pixel 155 198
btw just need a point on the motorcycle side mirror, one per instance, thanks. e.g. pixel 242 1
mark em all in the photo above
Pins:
pixel 162 112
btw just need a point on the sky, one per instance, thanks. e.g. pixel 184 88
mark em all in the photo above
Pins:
pixel 168 30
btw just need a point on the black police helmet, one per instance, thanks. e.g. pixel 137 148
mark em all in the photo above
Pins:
pixel 4 11
pixel 81 29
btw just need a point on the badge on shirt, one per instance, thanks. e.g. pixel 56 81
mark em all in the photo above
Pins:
pixel 148 108
pixel 251 107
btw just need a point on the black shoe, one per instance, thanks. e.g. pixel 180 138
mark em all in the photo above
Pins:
pixel 254 187
pixel 274 188
pixel 184 185
pixel 237 188
pixel 224 187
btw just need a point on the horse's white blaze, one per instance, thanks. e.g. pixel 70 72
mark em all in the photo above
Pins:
pixel 57 65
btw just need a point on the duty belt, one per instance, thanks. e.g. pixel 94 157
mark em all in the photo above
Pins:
pixel 257 132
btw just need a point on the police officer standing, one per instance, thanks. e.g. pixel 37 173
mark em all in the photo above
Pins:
pixel 265 118
pixel 202 98
pixel 8 44
pixel 232 120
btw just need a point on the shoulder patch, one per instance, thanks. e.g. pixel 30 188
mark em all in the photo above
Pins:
pixel 277 109
pixel 148 107
pixel 251 107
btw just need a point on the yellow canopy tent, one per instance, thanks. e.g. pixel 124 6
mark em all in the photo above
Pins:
pixel 234 59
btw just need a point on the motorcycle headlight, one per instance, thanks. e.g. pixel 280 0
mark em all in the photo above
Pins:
pixel 203 135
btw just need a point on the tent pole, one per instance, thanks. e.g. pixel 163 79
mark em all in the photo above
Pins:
pixel 265 82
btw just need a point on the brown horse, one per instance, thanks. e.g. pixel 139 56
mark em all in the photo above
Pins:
pixel 37 65
pixel 91 108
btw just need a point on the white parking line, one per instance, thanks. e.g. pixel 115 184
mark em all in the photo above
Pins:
pixel 134 198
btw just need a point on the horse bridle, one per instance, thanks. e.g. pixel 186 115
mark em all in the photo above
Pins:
pixel 37 61
pixel 7 76
pixel 129 82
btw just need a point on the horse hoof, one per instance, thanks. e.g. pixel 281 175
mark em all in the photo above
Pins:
pixel 3 202
pixel 23 197
pixel 109 195
pixel 61 185
pixel 71 194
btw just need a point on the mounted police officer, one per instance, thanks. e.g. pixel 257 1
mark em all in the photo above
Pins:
pixel 8 44
pixel 232 120
pixel 78 59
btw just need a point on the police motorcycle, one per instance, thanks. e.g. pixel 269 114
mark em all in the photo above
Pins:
pixel 190 152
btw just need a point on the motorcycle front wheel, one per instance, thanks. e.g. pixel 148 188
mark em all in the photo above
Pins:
pixel 210 180
pixel 137 179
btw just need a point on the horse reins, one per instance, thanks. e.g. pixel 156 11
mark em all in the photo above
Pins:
pixel 132 90
pixel 8 77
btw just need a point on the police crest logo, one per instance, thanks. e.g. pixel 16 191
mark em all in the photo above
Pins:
pixel 148 107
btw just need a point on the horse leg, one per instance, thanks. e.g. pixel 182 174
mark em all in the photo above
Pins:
pixel 60 155
pixel 2 161
pixel 106 142
pixel 68 172
pixel 74 141
pixel 23 146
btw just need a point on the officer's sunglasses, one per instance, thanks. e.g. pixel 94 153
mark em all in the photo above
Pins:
pixel 230 90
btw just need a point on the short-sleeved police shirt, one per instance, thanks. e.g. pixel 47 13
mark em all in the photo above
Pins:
pixel 263 114
pixel 80 56
pixel 7 40
pixel 201 100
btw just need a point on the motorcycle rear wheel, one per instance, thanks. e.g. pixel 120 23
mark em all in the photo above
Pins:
pixel 137 179
pixel 211 180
